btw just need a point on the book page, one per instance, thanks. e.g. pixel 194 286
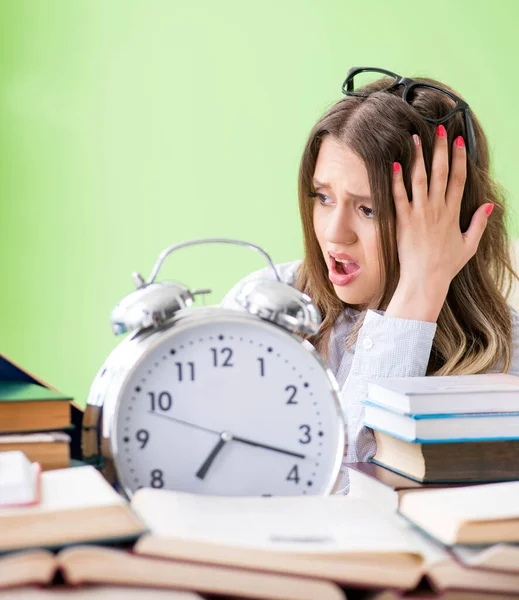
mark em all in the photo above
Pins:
pixel 33 438
pixel 77 487
pixel 485 382
pixel 310 524
pixel 99 592
pixel 497 556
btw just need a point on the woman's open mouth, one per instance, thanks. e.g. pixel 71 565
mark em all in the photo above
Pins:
pixel 342 271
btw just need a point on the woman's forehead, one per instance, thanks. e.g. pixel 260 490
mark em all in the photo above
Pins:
pixel 338 166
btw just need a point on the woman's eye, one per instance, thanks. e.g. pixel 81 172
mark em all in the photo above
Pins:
pixel 323 198
pixel 368 212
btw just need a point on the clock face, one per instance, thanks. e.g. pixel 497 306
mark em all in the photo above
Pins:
pixel 228 406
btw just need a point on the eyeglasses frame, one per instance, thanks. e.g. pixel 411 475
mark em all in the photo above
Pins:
pixel 409 84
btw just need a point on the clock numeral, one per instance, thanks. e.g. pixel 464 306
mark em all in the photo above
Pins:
pixel 306 431
pixel 262 366
pixel 180 371
pixel 157 480
pixel 292 392
pixel 293 475
pixel 142 436
pixel 164 401
pixel 227 352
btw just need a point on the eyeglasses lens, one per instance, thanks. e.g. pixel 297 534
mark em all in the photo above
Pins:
pixel 439 104
pixel 366 78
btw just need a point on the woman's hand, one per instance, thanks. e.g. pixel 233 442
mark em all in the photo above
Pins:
pixel 431 247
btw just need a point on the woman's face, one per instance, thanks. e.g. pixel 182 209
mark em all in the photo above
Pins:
pixel 344 223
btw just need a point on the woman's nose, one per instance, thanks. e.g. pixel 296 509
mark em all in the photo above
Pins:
pixel 340 229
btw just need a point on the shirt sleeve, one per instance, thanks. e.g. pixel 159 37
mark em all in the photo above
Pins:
pixel 392 347
pixel 386 347
pixel 514 364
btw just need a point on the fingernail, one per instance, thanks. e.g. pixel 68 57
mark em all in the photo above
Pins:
pixel 396 167
pixel 459 142
pixel 416 139
pixel 441 131
pixel 489 209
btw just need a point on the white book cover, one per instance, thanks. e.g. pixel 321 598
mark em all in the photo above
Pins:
pixel 492 392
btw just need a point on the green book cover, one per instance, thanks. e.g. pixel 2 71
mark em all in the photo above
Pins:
pixel 22 391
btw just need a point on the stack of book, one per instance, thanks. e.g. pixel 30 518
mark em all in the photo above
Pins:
pixel 440 431
pixel 32 420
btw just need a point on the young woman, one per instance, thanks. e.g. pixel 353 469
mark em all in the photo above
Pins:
pixel 406 252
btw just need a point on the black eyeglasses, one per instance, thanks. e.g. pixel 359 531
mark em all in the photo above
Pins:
pixel 354 78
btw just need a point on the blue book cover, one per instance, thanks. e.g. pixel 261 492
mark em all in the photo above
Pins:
pixel 474 415
pixel 441 428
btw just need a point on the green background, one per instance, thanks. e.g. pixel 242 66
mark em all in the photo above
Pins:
pixel 127 126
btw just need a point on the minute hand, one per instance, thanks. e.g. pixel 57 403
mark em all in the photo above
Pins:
pixel 266 446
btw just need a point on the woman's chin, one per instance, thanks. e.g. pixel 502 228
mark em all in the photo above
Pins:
pixel 356 301
pixel 353 298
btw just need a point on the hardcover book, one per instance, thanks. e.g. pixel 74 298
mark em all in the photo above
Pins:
pixel 77 505
pixel 448 394
pixel 442 427
pixel 50 449
pixel 478 514
pixel 10 371
pixel 30 407
pixel 449 462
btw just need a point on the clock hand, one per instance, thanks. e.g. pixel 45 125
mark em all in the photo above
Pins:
pixel 225 436
pixel 152 412
pixel 267 447
pixel 234 437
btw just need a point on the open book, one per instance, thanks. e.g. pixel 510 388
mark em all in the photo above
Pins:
pixel 99 565
pixel 77 505
pixel 336 538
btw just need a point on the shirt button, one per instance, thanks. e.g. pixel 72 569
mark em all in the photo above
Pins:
pixel 367 343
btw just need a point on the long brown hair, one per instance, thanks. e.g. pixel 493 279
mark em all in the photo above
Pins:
pixel 474 328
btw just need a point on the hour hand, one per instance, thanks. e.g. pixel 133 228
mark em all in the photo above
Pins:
pixel 225 437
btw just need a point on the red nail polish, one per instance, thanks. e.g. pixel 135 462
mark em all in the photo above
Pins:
pixel 441 131
pixel 489 209
pixel 459 142
pixel 396 167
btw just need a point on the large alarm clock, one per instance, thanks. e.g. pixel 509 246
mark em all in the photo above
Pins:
pixel 213 400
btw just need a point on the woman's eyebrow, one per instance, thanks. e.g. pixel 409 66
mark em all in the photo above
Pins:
pixel 320 184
